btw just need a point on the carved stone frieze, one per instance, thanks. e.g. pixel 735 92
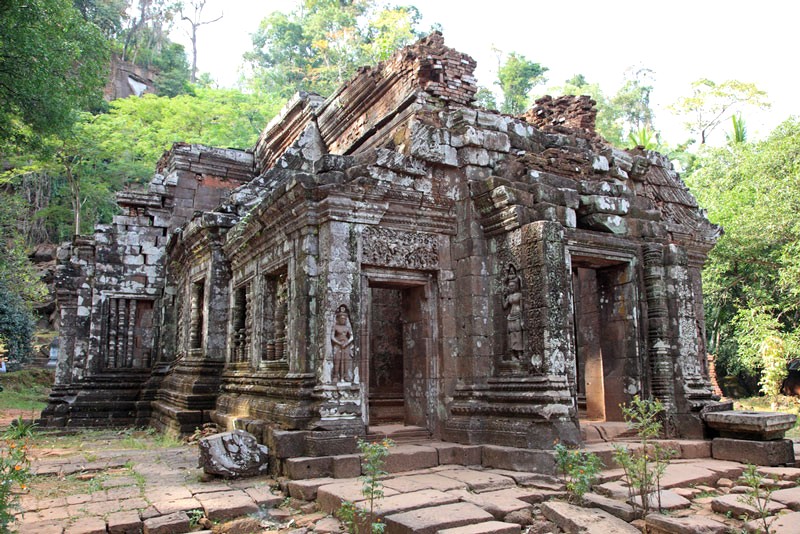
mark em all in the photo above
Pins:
pixel 388 247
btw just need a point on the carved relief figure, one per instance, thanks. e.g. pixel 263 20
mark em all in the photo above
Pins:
pixel 342 339
pixel 512 300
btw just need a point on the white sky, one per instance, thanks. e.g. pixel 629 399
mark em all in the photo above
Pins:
pixel 681 40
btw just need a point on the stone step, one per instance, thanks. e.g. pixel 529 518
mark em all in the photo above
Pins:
pixel 433 519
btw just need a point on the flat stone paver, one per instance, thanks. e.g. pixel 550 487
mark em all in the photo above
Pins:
pixel 781 524
pixel 736 505
pixel 668 502
pixel 489 527
pixel 87 525
pixel 479 481
pixel 436 518
pixel 788 497
pixel 176 523
pixel 575 519
pixel 124 523
pixel 423 481
pixel 405 502
pixel 497 504
pixel 663 524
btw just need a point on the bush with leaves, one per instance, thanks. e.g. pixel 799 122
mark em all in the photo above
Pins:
pixel 578 470
pixel 758 494
pixel 643 466
pixel 14 474
pixel 358 519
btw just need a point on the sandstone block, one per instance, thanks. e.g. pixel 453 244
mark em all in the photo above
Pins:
pixel 574 519
pixel 227 505
pixel 410 457
pixel 176 523
pixel 87 525
pixel 433 519
pixel 664 524
pixel 614 507
pixel 782 524
pixel 233 454
pixel 306 490
pixel 767 453
pixel 308 467
pixel 738 507
pixel 479 481
pixel 489 527
pixel 124 523
pixel 346 466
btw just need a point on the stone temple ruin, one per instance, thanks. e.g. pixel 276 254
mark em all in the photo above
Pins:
pixel 392 254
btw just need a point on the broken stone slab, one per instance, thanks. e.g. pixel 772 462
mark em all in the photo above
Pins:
pixel 669 501
pixel 614 507
pixel 306 490
pixel 664 524
pixel 768 453
pixel 737 506
pixel 479 481
pixel 496 503
pixel 789 497
pixel 781 524
pixel 489 527
pixel 423 481
pixel 433 519
pixel 575 519
pixel 233 454
pixel 780 473
pixel 750 425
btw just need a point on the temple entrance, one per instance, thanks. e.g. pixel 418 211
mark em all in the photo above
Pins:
pixel 397 356
pixel 607 361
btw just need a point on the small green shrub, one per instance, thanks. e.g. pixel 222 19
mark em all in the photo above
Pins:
pixel 578 470
pixel 373 459
pixel 14 474
pixel 758 495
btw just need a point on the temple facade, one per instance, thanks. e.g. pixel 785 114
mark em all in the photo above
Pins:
pixel 393 254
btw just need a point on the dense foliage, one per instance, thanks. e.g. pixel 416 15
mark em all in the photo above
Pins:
pixel 321 44
pixel 752 279
pixel 52 61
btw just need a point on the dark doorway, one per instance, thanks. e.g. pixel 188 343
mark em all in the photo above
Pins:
pixel 605 335
pixel 399 336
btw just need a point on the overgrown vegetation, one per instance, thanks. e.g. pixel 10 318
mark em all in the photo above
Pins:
pixel 362 520
pixel 578 470
pixel 758 495
pixel 14 475
pixel 644 465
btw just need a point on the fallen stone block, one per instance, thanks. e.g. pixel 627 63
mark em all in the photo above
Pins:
pixel 176 523
pixel 233 454
pixel 767 453
pixel 668 500
pixel 614 507
pixel 495 502
pixel 574 519
pixel 433 519
pixel 664 524
pixel 788 497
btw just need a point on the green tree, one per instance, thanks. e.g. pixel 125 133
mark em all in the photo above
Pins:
pixel 52 62
pixel 320 45
pixel 738 133
pixel 710 103
pixel 752 278
pixel 609 123
pixel 516 77
pixel 632 101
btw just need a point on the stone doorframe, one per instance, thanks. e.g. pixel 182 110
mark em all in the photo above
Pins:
pixel 634 381
pixel 402 279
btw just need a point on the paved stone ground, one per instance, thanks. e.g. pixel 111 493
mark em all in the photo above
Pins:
pixel 161 491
